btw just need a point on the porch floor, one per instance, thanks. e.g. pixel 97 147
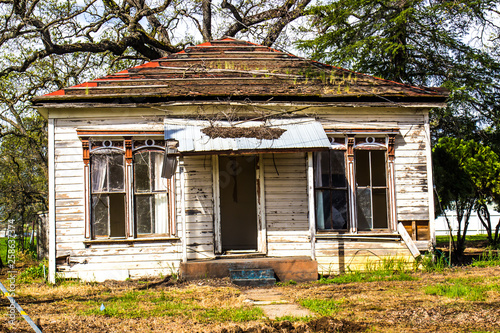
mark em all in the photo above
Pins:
pixel 298 269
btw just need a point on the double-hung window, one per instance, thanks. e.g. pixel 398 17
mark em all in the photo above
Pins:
pixel 351 185
pixel 128 197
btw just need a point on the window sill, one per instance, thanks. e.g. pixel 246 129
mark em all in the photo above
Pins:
pixel 129 240
pixel 363 236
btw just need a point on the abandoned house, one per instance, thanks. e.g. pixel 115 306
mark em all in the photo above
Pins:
pixel 231 153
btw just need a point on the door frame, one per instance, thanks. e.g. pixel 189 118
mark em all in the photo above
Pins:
pixel 260 201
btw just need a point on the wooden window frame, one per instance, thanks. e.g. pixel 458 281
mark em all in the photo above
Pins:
pixel 129 138
pixel 382 140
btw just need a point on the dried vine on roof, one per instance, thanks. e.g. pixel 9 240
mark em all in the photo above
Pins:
pixel 258 132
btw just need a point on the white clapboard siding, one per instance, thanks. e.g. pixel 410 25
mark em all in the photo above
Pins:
pixel 70 218
pixel 335 256
pixel 286 204
pixel 199 207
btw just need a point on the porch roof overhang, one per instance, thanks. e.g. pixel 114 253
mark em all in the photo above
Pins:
pixel 299 134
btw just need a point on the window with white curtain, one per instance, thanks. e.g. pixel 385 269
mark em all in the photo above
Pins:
pixel 128 196
pixel 150 193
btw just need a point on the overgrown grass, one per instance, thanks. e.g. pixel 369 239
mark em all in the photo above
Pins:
pixel 492 258
pixel 388 269
pixel 324 307
pixel 468 238
pixel 32 273
pixel 434 262
pixel 185 303
pixel 471 289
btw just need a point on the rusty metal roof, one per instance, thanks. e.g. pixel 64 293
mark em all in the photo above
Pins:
pixel 231 68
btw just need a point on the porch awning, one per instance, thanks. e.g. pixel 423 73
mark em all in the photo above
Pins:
pixel 299 133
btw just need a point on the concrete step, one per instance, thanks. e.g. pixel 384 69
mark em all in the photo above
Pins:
pixel 254 282
pixel 252 277
pixel 251 273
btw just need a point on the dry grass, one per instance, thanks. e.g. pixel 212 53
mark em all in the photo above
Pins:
pixel 216 306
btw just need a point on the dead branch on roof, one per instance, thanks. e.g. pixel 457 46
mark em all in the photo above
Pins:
pixel 258 132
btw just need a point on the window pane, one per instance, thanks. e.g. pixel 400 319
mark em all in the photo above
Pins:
pixel 339 209
pixel 378 168
pixel 116 172
pixel 380 209
pixel 363 201
pixel 100 214
pixel 337 161
pixel 322 169
pixel 117 214
pixel 362 167
pixel 142 176
pixel 159 183
pixel 323 210
pixel 143 214
pixel 99 172
pixel 160 222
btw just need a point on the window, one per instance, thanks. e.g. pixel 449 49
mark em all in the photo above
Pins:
pixel 108 193
pixel 128 195
pixel 371 189
pixel 330 185
pixel 351 184
pixel 150 193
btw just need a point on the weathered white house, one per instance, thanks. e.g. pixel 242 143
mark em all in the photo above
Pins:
pixel 235 150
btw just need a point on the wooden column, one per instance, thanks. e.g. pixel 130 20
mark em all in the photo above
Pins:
pixel 86 182
pixel 352 185
pixel 52 202
pixel 393 220
pixel 216 203
pixel 129 210
pixel 312 208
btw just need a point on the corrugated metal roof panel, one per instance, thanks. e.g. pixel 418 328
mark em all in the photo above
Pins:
pixel 299 133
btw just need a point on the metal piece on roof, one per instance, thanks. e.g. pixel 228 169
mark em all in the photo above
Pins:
pixel 300 133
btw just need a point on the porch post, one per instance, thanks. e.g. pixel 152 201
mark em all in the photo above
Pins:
pixel 52 203
pixel 312 211
pixel 430 178
pixel 183 208
pixel 216 203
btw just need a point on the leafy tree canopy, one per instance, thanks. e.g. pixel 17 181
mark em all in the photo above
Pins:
pixel 453 44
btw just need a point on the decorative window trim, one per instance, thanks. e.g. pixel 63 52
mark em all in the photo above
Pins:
pixel 129 138
pixel 379 140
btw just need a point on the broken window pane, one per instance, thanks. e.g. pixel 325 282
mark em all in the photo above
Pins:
pixel 100 214
pixel 364 208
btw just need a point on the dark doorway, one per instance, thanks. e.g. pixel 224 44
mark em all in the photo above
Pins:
pixel 238 204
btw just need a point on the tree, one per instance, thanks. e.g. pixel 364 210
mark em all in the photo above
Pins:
pixel 467 176
pixel 452 44
pixel 455 190
pixel 46 45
